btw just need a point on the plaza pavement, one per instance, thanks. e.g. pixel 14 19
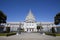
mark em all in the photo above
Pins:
pixel 30 36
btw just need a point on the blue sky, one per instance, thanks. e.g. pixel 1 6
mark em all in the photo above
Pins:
pixel 17 10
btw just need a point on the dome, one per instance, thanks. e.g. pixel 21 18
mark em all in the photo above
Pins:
pixel 30 17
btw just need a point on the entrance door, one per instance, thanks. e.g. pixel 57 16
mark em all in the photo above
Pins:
pixel 30 29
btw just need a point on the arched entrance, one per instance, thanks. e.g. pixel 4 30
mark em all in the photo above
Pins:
pixel 30 29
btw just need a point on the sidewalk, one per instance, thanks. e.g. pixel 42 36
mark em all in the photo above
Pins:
pixel 30 36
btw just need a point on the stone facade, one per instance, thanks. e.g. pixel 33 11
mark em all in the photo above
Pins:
pixel 30 24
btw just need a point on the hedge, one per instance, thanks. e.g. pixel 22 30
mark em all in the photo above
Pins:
pixel 52 34
pixel 7 34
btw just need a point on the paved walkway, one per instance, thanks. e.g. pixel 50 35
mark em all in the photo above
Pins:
pixel 30 36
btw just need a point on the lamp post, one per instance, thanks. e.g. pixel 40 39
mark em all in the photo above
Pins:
pixel 19 29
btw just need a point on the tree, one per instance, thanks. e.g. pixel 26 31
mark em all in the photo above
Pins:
pixel 57 19
pixel 7 29
pixel 53 31
pixel 3 17
pixel 39 28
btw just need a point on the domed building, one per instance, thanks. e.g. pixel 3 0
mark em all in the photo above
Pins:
pixel 30 24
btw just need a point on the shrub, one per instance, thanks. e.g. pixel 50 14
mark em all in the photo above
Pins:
pixel 52 34
pixel 9 34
